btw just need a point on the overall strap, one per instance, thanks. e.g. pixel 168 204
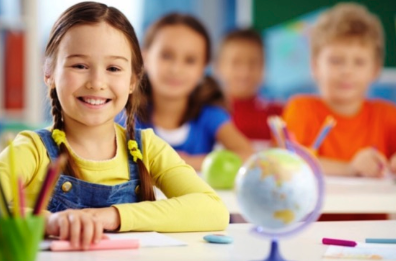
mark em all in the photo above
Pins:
pixel 49 143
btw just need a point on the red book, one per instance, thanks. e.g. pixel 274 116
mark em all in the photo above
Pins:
pixel 14 70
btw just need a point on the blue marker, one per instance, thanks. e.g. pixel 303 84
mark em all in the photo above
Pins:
pixel 218 239
pixel 381 240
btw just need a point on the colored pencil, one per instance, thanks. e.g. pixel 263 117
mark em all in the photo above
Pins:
pixel 287 138
pixel 4 210
pixel 328 124
pixel 21 191
pixel 14 181
pixel 273 130
pixel 279 126
pixel 53 173
pixel 274 127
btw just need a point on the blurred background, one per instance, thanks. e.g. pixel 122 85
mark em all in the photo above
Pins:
pixel 283 24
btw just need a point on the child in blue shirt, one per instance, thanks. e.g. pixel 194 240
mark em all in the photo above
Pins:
pixel 184 107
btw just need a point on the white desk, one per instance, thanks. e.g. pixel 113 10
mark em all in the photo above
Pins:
pixel 305 247
pixel 344 195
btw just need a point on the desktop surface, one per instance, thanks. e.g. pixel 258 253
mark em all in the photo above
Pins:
pixel 305 246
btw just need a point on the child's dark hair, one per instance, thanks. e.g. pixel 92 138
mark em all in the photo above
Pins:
pixel 242 35
pixel 208 92
pixel 90 13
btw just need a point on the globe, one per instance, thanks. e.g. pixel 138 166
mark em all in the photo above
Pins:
pixel 280 191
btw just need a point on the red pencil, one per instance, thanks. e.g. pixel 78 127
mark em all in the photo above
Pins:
pixel 21 192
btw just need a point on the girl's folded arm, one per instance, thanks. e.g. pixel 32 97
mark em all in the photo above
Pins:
pixel 192 205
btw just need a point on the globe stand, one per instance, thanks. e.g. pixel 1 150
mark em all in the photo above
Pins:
pixel 274 254
pixel 244 192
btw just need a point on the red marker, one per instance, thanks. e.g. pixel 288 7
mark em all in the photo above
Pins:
pixel 338 242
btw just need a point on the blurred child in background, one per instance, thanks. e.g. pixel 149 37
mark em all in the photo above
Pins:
pixel 347 55
pixel 183 106
pixel 240 67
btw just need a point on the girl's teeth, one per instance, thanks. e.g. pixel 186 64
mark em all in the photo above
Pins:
pixel 95 102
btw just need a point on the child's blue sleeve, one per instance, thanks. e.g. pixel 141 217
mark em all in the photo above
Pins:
pixel 214 117
pixel 121 118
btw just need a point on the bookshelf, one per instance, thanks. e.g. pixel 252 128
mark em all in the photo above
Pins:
pixel 33 110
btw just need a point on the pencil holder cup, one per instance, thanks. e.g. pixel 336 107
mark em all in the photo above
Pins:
pixel 20 238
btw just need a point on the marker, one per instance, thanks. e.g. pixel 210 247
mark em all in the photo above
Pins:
pixel 381 240
pixel 338 242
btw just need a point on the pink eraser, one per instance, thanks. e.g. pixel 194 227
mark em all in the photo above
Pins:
pixel 63 245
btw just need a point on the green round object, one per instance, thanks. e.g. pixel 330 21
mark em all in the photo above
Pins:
pixel 220 168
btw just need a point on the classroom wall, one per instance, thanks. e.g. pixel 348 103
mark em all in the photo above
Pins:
pixel 269 13
pixel 218 16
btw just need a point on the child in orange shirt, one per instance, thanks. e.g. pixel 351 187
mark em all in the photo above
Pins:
pixel 347 54
pixel 240 66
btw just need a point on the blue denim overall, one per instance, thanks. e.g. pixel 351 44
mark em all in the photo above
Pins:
pixel 74 193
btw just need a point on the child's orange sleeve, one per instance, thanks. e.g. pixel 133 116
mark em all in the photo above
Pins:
pixel 300 121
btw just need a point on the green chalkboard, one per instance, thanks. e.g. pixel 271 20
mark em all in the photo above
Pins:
pixel 267 13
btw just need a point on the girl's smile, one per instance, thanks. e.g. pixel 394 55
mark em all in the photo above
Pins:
pixel 94 102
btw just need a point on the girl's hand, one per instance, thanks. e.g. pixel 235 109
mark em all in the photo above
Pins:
pixel 79 226
pixel 109 217
pixel 369 162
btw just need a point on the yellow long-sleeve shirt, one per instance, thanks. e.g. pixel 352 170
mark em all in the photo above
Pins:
pixel 191 205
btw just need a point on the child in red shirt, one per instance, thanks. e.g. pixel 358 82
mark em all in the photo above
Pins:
pixel 240 67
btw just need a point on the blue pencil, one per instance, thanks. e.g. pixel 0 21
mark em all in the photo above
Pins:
pixel 327 126
pixel 381 240
pixel 287 138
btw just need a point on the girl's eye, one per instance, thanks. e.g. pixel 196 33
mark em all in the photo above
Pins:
pixel 113 69
pixel 79 66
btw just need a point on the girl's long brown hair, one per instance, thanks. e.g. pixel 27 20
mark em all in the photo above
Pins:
pixel 90 13
pixel 208 92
